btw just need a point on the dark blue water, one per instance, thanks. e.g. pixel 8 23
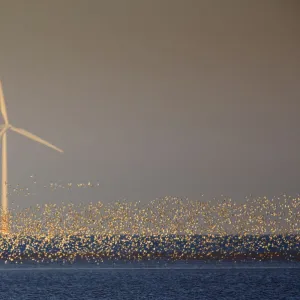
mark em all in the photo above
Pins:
pixel 207 282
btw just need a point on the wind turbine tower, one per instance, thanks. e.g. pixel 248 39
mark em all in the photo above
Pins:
pixel 3 135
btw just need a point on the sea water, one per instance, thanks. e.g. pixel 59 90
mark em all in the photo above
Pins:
pixel 152 281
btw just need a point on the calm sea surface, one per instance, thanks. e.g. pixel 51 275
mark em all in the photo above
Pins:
pixel 177 281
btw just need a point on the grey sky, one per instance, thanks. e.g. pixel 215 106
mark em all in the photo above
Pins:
pixel 153 98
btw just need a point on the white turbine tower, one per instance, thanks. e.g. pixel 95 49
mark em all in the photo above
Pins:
pixel 3 129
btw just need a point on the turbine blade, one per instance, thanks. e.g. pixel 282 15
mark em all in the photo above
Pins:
pixel 35 138
pixel 2 105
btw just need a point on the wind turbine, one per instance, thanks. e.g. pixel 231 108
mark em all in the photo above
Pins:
pixel 3 135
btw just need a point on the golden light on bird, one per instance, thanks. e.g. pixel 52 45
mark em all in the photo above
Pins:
pixel 170 228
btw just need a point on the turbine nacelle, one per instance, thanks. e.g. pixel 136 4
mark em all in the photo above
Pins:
pixel 4 128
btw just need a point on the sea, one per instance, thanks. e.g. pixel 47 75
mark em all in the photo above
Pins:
pixel 152 280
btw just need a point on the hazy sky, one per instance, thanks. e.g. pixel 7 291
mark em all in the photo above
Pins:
pixel 153 98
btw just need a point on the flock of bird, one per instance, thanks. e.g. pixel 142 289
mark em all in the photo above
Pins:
pixel 168 228
pixel 23 191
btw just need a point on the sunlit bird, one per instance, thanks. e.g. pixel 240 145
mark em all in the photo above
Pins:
pixel 3 134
